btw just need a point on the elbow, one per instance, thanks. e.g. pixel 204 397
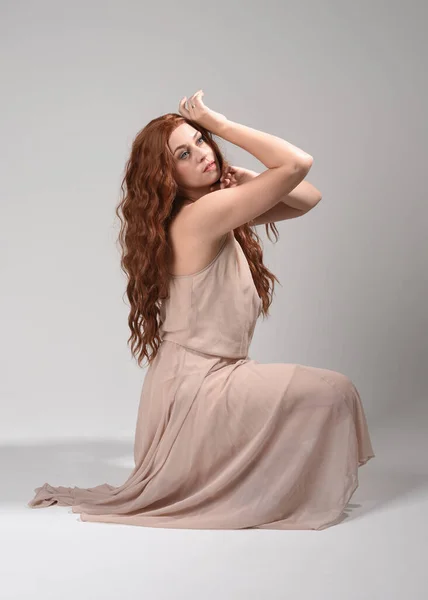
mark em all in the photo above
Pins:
pixel 317 199
pixel 307 161
pixel 304 164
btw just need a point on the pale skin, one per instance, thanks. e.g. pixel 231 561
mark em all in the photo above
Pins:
pixel 191 160
pixel 191 255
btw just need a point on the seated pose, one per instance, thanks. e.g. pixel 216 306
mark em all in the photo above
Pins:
pixel 222 441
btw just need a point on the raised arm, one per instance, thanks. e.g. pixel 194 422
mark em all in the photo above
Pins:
pixel 220 211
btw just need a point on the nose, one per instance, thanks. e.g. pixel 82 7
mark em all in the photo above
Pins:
pixel 203 159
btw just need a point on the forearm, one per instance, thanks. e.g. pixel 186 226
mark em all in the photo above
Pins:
pixel 269 149
pixel 303 197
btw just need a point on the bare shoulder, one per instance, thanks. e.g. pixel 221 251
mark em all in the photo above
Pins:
pixel 191 252
pixel 224 210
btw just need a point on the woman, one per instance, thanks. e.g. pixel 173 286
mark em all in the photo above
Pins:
pixel 221 441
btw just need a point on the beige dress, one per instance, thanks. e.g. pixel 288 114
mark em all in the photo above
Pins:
pixel 223 441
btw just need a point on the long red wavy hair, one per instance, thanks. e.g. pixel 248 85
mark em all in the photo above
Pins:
pixel 150 200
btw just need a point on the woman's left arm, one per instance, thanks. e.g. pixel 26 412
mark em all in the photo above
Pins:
pixel 303 197
pixel 294 204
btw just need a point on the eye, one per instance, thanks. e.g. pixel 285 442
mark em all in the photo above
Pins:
pixel 199 139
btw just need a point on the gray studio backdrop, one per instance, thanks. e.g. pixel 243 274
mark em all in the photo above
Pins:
pixel 345 81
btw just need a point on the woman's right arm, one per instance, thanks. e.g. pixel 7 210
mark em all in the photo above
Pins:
pixel 221 211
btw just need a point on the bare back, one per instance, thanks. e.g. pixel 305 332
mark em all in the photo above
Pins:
pixel 191 253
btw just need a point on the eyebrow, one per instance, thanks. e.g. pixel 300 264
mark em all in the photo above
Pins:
pixel 184 145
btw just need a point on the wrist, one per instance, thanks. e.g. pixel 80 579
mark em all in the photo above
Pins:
pixel 220 127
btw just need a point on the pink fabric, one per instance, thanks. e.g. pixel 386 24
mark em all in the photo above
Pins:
pixel 223 441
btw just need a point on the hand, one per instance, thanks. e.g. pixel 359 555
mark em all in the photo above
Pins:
pixel 232 177
pixel 201 114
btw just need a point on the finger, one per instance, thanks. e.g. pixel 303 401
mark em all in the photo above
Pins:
pixel 197 101
pixel 193 104
pixel 182 108
pixel 195 97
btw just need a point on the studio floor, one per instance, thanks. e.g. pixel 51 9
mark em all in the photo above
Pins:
pixel 377 552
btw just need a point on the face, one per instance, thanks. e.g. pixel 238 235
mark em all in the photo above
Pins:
pixel 191 154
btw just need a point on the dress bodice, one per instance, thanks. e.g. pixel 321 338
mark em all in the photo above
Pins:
pixel 214 310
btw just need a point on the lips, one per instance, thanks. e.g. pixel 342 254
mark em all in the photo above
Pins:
pixel 209 165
